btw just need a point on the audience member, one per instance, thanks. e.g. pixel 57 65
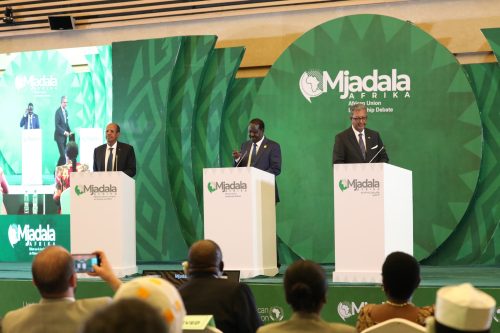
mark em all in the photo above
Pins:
pixel 4 190
pixel 305 290
pixel 125 316
pixel 159 293
pixel 400 278
pixel 58 311
pixel 231 303
pixel 63 171
pixel 462 308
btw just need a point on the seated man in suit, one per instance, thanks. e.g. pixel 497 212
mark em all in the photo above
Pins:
pixel 358 144
pixel 114 155
pixel 55 278
pixel 259 152
pixel 231 303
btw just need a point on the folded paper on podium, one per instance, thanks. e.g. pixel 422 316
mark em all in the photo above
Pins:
pixel 240 216
pixel 373 217
pixel 103 217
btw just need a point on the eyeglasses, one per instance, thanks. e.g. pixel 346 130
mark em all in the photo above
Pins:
pixel 359 118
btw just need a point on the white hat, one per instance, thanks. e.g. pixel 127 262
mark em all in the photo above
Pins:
pixel 159 293
pixel 463 307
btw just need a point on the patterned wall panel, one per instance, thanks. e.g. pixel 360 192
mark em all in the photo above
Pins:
pixel 186 84
pixel 143 74
pixel 221 69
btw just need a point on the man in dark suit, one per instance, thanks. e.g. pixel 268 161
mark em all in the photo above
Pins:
pixel 115 155
pixel 231 303
pixel 259 152
pixel 29 119
pixel 358 144
pixel 62 130
pixel 58 311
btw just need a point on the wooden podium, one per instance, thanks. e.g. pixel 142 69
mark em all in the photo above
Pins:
pixel 373 217
pixel 32 157
pixel 103 217
pixel 240 216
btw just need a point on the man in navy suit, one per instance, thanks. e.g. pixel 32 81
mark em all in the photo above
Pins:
pixel 358 144
pixel 259 152
pixel 62 130
pixel 29 119
pixel 114 155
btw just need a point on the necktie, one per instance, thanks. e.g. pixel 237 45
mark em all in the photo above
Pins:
pixel 66 117
pixel 30 124
pixel 362 145
pixel 254 154
pixel 109 166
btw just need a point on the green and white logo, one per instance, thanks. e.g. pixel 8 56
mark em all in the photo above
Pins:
pixel 276 313
pixel 17 233
pixel 359 184
pixel 227 186
pixel 348 309
pixel 211 188
pixel 102 190
pixel 347 85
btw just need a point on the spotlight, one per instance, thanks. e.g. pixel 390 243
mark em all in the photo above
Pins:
pixel 8 15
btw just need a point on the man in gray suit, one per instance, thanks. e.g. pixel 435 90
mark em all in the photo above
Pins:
pixel 55 278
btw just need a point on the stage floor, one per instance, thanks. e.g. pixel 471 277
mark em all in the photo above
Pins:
pixel 432 276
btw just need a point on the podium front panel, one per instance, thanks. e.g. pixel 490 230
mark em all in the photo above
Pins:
pixel 103 217
pixel 240 216
pixel 31 156
pixel 373 217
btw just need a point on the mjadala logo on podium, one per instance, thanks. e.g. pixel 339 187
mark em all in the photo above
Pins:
pixel 371 186
pixel 98 192
pixel 229 189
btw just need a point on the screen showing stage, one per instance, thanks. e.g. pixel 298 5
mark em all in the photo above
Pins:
pixel 28 150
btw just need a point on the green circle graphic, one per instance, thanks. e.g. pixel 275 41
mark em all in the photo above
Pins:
pixel 418 98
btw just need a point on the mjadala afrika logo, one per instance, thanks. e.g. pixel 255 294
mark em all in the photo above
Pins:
pixel 41 235
pixel 226 186
pixel 359 185
pixel 314 83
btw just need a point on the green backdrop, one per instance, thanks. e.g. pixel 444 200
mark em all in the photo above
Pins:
pixel 181 105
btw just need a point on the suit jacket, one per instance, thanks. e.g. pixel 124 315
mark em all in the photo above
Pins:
pixel 55 316
pixel 305 322
pixel 268 158
pixel 60 125
pixel 124 160
pixel 346 148
pixel 231 303
pixel 35 123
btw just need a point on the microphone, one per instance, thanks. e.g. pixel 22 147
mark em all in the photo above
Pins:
pixel 376 154
pixel 241 158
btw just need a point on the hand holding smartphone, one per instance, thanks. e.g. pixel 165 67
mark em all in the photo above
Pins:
pixel 84 262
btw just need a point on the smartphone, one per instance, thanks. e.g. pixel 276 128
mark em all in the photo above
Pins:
pixel 84 262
